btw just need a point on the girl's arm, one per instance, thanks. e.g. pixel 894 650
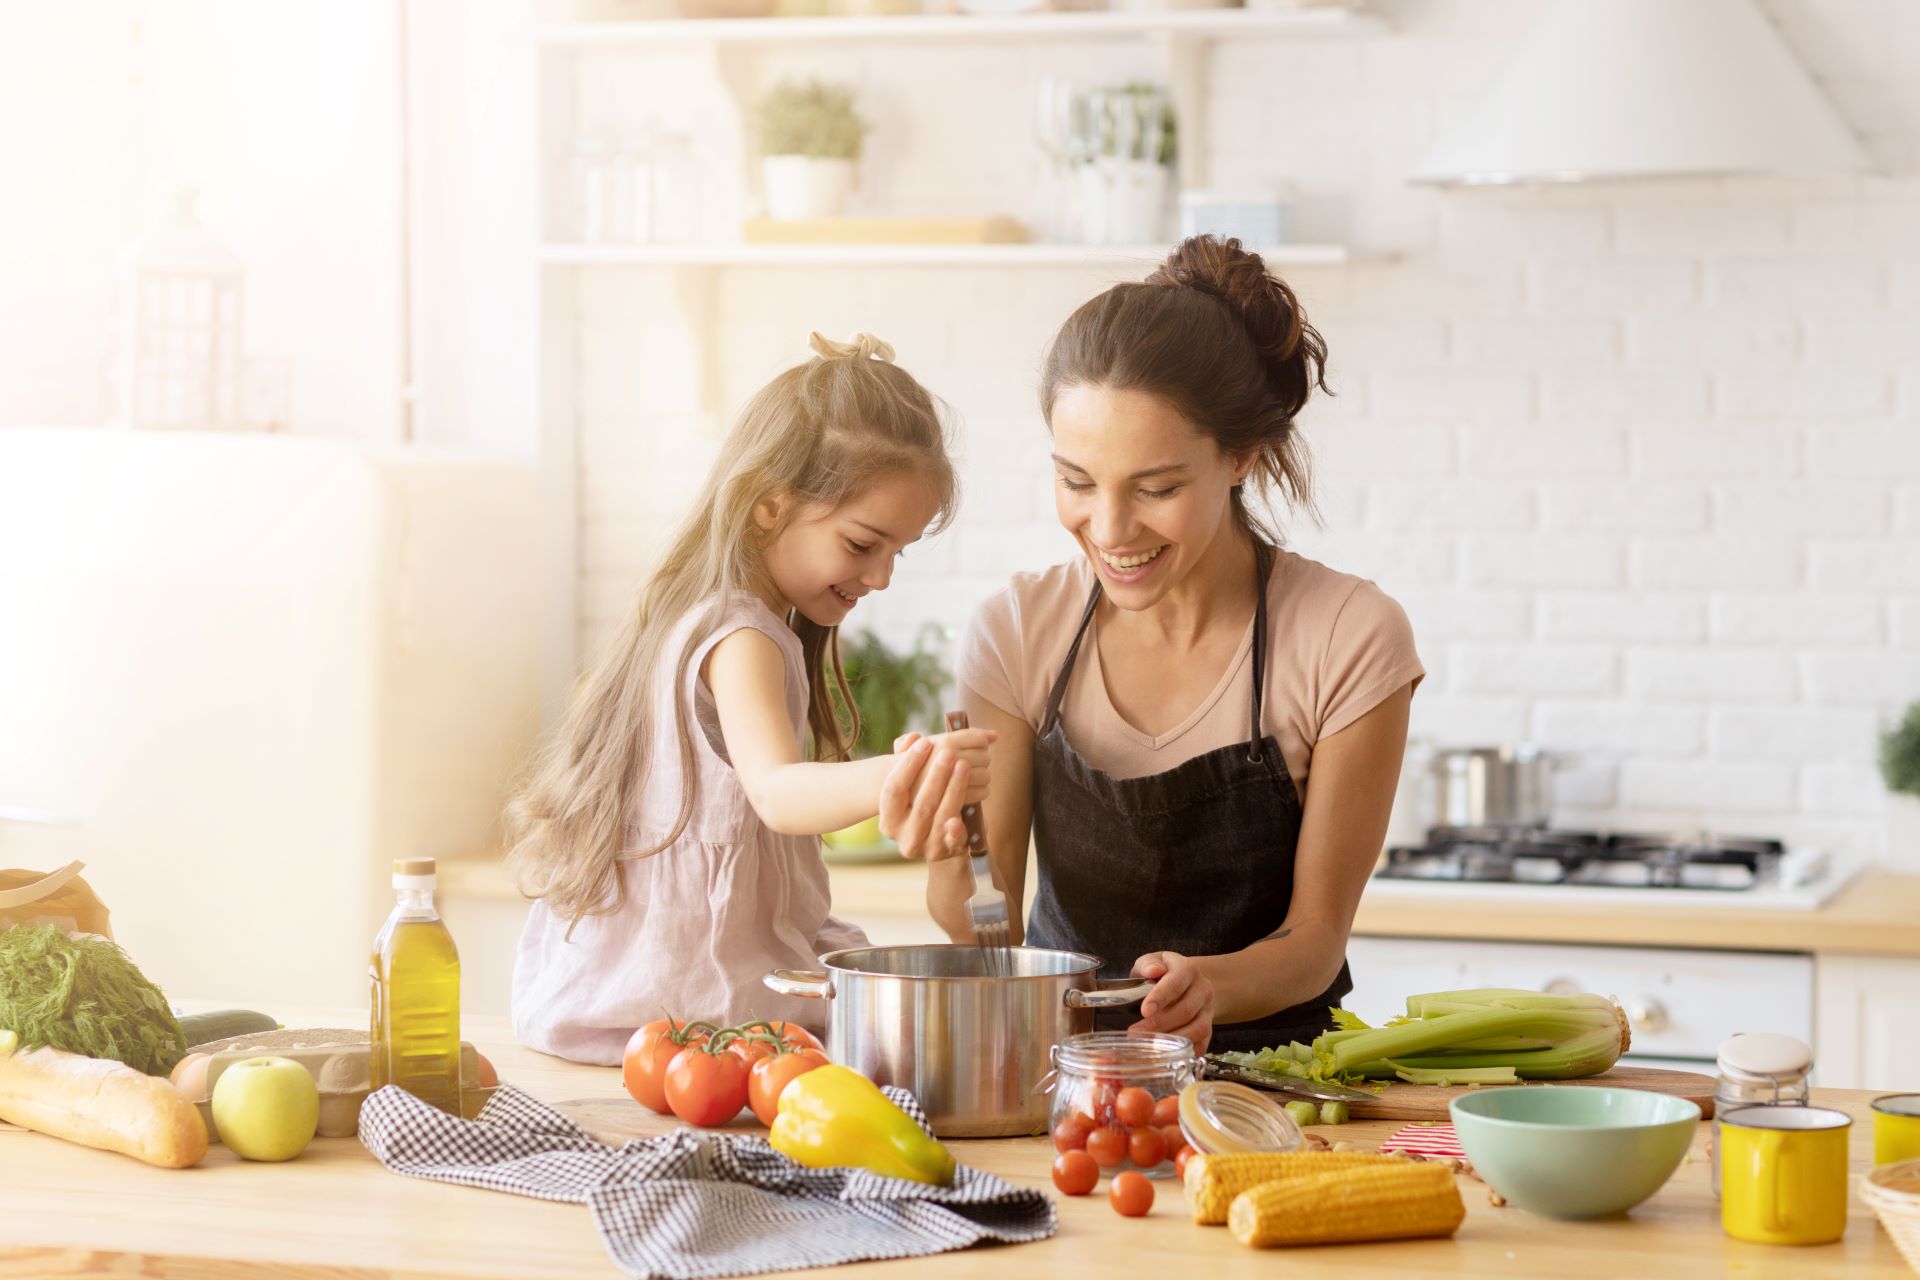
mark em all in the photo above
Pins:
pixel 1349 799
pixel 911 812
pixel 793 795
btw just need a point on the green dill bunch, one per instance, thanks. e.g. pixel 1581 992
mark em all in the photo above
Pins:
pixel 84 995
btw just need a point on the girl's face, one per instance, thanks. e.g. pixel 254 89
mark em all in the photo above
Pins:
pixel 826 558
pixel 1143 492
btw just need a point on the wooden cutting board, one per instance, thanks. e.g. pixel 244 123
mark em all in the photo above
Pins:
pixel 1402 1101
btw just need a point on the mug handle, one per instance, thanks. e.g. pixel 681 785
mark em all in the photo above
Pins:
pixel 808 984
pixel 1773 1153
pixel 1105 997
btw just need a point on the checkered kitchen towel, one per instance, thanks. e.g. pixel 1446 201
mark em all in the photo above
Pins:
pixel 694 1203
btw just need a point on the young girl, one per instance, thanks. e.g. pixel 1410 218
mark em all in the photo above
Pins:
pixel 669 835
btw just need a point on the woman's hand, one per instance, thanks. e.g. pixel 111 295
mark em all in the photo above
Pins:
pixel 931 780
pixel 1182 999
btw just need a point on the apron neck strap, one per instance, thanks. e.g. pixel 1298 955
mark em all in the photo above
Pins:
pixel 1262 567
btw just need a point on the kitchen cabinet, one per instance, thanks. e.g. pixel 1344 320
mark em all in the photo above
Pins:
pixel 1867 1029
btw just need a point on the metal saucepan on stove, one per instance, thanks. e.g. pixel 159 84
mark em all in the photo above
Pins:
pixel 1504 786
pixel 968 1044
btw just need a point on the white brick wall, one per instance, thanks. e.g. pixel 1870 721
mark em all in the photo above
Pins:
pixel 1642 460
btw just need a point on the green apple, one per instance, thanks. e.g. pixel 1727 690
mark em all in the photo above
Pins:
pixel 861 835
pixel 266 1108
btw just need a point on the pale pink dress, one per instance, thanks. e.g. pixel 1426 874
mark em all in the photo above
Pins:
pixel 706 917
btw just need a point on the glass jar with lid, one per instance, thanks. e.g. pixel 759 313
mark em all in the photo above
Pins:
pixel 1758 1069
pixel 1117 1096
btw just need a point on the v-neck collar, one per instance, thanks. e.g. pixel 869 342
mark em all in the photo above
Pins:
pixel 1097 677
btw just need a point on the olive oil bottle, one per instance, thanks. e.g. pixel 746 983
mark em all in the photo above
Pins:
pixel 416 993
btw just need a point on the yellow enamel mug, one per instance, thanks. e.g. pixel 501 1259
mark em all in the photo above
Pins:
pixel 1896 1128
pixel 1783 1174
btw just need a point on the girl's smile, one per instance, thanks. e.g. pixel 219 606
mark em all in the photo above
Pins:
pixel 824 560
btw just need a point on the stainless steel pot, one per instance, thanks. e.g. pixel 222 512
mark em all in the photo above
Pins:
pixel 1505 786
pixel 970 1046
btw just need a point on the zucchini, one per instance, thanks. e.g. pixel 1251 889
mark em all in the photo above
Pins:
pixel 221 1024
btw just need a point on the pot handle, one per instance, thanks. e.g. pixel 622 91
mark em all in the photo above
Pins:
pixel 806 983
pixel 1128 991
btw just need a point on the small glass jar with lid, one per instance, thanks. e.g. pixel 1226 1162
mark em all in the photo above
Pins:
pixel 1116 1095
pixel 1758 1069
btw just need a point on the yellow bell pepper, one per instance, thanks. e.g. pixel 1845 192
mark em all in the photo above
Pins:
pixel 834 1117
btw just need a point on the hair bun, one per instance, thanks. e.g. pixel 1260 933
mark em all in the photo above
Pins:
pixel 1290 348
pixel 862 346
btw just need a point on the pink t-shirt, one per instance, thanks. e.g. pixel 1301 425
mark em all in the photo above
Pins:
pixel 1337 645
pixel 704 919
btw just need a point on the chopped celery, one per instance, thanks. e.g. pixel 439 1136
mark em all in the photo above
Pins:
pixel 1333 1113
pixel 1303 1113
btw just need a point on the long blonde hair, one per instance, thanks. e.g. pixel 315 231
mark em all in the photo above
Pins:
pixel 818 433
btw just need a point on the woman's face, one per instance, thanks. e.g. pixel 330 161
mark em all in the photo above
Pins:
pixel 1145 494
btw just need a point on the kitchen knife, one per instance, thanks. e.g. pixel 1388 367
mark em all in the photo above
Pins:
pixel 1281 1083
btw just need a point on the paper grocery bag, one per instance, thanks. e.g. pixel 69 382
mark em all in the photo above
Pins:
pixel 59 897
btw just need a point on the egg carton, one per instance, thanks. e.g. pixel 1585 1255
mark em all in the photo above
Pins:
pixel 342 1070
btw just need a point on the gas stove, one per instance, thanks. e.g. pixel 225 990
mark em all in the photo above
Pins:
pixel 1621 867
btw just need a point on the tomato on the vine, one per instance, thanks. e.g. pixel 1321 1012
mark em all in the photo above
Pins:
pixel 706 1086
pixel 770 1075
pixel 643 1067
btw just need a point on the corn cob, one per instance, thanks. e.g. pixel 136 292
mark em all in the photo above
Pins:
pixel 1396 1201
pixel 1213 1181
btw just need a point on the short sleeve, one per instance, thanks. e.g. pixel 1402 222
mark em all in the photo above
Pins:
pixel 991 657
pixel 1370 654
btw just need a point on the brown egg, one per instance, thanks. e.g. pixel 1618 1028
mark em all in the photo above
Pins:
pixel 190 1075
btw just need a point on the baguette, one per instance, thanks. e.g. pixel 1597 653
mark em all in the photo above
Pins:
pixel 100 1103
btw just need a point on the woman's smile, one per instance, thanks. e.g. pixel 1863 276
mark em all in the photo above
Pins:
pixel 1129 567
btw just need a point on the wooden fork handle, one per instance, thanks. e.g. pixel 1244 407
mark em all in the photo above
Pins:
pixel 969 814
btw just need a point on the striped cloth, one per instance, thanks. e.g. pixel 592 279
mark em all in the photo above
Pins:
pixel 694 1203
pixel 1425 1140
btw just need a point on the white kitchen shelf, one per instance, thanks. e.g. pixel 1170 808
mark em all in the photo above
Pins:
pixel 1317 23
pixel 748 255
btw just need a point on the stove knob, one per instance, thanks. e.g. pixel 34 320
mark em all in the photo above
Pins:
pixel 1647 1016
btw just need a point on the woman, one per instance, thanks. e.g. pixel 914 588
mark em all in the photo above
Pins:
pixel 1163 700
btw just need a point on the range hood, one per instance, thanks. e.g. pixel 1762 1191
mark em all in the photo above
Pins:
pixel 1646 88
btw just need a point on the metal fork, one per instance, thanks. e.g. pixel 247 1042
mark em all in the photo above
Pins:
pixel 987 908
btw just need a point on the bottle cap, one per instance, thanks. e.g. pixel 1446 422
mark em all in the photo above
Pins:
pixel 413 866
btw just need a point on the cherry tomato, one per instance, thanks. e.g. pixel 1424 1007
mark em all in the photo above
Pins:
pixel 769 1076
pixel 1075 1173
pixel 1146 1147
pixel 1175 1139
pixel 1167 1111
pixel 1108 1146
pixel 1133 1107
pixel 1130 1194
pixel 1071 1133
pixel 706 1088
pixel 643 1068
pixel 1180 1159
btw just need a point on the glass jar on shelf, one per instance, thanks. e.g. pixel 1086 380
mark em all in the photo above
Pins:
pixel 673 190
pixel 601 188
pixel 1116 1095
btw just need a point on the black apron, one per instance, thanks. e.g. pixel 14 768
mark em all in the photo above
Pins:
pixel 1197 860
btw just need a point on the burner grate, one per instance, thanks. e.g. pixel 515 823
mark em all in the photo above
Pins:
pixel 1633 860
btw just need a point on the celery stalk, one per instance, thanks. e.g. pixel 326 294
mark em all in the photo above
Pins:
pixel 1583 1035
pixel 1458 1075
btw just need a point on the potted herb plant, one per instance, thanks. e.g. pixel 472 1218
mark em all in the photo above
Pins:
pixel 810 138
pixel 894 692
pixel 1900 769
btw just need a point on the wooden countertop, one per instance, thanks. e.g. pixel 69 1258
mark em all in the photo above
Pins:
pixel 69 1210
pixel 1877 914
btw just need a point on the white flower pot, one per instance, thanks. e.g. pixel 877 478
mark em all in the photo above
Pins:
pixel 806 186
pixel 1123 201
pixel 1903 833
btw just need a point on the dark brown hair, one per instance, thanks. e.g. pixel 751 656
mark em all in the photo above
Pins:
pixel 1225 343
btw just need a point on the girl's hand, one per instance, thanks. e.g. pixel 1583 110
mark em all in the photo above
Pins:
pixel 1182 999
pixel 921 799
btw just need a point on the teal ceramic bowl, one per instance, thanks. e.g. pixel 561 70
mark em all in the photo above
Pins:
pixel 1573 1151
